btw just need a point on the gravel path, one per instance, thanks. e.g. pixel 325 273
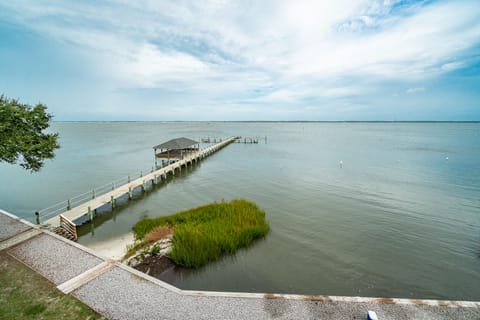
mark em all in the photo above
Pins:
pixel 10 227
pixel 120 294
pixel 54 258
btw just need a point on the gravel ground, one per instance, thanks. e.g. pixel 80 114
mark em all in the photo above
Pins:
pixel 10 227
pixel 119 294
pixel 53 258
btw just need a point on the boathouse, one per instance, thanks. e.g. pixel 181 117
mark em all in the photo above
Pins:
pixel 175 149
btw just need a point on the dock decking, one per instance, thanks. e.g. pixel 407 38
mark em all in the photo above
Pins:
pixel 154 177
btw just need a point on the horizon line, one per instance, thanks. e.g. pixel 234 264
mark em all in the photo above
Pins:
pixel 284 121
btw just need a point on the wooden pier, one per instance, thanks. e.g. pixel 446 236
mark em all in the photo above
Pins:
pixel 88 208
pixel 246 140
pixel 251 140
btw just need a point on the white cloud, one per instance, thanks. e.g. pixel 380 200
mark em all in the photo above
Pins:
pixel 414 47
pixel 289 38
pixel 148 64
pixel 224 50
pixel 452 66
pixel 280 96
pixel 414 90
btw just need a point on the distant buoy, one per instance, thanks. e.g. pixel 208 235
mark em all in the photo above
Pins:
pixel 341 164
pixel 446 158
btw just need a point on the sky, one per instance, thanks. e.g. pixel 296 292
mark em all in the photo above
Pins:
pixel 244 60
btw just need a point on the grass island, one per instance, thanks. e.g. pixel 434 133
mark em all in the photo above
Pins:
pixel 205 233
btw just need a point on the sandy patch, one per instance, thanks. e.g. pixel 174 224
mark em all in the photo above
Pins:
pixel 114 248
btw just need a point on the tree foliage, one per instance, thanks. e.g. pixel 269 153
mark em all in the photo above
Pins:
pixel 22 136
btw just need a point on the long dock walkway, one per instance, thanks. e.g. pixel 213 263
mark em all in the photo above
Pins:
pixel 119 292
pixel 154 177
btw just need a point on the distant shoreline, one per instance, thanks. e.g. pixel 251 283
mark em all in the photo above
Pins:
pixel 264 121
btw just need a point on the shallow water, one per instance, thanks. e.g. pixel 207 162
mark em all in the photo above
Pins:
pixel 396 219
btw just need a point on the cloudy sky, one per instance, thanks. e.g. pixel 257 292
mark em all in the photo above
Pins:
pixel 244 60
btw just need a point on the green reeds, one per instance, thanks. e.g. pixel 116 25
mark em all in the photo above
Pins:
pixel 205 233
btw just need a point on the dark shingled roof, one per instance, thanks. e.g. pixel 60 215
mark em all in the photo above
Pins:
pixel 178 143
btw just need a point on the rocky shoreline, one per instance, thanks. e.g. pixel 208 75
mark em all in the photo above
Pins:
pixel 153 259
pixel 155 265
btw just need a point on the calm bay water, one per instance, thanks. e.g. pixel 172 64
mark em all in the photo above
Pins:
pixel 397 219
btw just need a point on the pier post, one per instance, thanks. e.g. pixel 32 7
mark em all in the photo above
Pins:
pixel 141 174
pixel 93 194
pixel 113 186
pixel 154 179
pixel 130 195
pixel 69 204
pixel 143 185
pixel 112 201
pixel 37 217
pixel 92 229
pixel 152 169
pixel 128 179
pixel 90 215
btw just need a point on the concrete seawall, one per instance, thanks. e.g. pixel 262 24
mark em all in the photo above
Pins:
pixel 120 292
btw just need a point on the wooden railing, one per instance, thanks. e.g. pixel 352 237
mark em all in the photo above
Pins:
pixel 68 229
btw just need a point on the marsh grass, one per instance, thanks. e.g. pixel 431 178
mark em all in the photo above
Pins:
pixel 205 233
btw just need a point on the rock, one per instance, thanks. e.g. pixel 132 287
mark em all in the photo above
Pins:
pixel 164 244
pixel 164 252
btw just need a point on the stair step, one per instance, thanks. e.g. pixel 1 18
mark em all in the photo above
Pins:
pixel 62 232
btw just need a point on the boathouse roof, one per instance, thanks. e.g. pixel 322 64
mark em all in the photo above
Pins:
pixel 178 143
